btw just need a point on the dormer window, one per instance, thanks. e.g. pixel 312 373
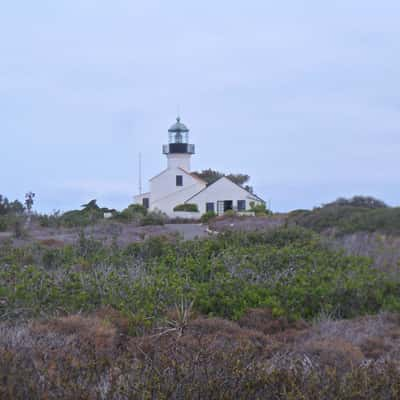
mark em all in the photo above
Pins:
pixel 179 180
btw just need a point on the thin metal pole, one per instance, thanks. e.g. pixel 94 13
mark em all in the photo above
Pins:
pixel 140 173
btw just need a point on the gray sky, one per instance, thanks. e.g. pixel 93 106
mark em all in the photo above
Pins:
pixel 301 95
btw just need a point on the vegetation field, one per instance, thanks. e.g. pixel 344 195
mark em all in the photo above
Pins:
pixel 277 313
pixel 128 322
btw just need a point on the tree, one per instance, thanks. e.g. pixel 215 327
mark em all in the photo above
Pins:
pixel 16 207
pixel 4 205
pixel 13 207
pixel 92 205
pixel 29 201
pixel 211 176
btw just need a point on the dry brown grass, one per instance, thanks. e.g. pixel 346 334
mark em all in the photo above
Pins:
pixel 261 319
pixel 52 243
pixel 77 357
pixel 90 332
pixel 334 353
pixel 115 318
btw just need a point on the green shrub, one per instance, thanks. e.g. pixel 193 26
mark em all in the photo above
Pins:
pixel 12 222
pixel 18 227
pixel 358 201
pixel 4 222
pixel 259 209
pixel 288 270
pixel 50 221
pixel 349 219
pixel 154 218
pixel 134 212
pixel 229 213
pixel 206 217
pixel 186 207
pixel 80 218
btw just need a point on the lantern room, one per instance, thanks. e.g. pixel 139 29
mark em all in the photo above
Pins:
pixel 178 135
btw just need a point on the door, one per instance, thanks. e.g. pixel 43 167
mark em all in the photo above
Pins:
pixel 228 205
pixel 220 207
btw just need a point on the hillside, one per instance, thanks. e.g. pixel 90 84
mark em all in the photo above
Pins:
pixel 361 226
pixel 272 308
pixel 129 321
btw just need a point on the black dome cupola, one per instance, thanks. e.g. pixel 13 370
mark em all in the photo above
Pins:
pixel 178 139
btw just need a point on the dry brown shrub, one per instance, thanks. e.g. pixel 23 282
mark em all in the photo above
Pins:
pixel 261 319
pixel 91 331
pixel 211 335
pixel 52 243
pixel 338 354
pixel 114 317
pixel 222 334
pixel 394 334
pixel 375 347
pixel 213 358
pixel 210 326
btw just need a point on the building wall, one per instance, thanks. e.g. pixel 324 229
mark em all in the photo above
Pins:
pixel 139 198
pixel 222 190
pixel 186 215
pixel 165 195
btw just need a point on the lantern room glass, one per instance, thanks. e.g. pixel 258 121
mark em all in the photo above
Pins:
pixel 178 137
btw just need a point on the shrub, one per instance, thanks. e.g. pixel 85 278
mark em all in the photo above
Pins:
pixel 263 320
pixel 206 217
pixel 349 219
pixel 358 201
pixel 287 270
pixel 18 228
pixel 259 209
pixel 13 223
pixel 134 212
pixel 4 222
pixel 89 357
pixel 80 218
pixel 186 207
pixel 229 213
pixel 154 218
pixel 52 220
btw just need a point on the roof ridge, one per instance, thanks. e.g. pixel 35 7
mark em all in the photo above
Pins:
pixel 230 180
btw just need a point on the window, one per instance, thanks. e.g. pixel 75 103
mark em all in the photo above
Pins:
pixel 210 207
pixel 241 205
pixel 179 180
pixel 145 202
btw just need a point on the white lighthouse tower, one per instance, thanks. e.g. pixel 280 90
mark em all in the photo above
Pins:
pixel 178 150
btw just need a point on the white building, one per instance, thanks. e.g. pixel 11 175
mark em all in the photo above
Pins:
pixel 176 185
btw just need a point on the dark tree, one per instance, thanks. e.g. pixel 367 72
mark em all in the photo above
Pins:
pixel 13 207
pixel 92 205
pixel 16 207
pixel 29 201
pixel 4 205
pixel 210 176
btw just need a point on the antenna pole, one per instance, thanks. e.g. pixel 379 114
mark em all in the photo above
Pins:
pixel 140 173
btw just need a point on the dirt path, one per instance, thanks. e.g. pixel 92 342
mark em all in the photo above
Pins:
pixel 189 231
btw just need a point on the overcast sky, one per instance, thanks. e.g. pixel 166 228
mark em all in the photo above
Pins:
pixel 301 95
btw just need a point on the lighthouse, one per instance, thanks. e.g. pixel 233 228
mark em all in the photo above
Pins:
pixel 180 193
pixel 178 150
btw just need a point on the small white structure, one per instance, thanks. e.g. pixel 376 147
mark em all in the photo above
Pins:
pixel 176 185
